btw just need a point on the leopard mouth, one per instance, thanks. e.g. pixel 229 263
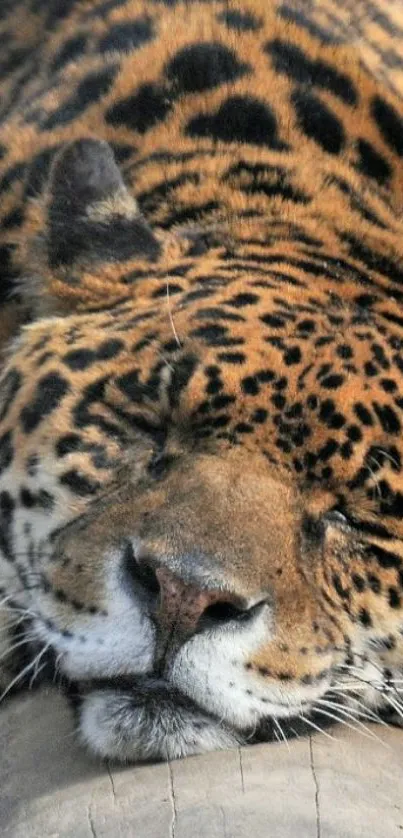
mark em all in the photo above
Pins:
pixel 141 717
pixel 153 695
pixel 146 718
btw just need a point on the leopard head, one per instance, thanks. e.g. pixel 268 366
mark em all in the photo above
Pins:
pixel 190 506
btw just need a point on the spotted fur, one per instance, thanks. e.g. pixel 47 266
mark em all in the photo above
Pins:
pixel 201 493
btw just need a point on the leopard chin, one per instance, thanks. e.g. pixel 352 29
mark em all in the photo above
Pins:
pixel 151 720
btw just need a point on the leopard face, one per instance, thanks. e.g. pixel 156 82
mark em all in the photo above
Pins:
pixel 200 413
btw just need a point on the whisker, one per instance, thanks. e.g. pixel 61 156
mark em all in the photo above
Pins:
pixel 24 642
pixel 57 673
pixel 26 611
pixel 12 624
pixel 381 686
pixel 348 714
pixel 369 713
pixel 358 673
pixel 35 675
pixel 350 688
pixel 316 727
pixel 389 457
pixel 281 731
pixel 23 672
pixel 9 597
pixel 397 706
pixel 342 721
pixel 248 737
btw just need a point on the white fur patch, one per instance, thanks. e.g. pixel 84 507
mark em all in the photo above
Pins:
pixel 103 646
pixel 119 726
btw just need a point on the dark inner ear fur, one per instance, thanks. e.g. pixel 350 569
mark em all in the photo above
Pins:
pixel 91 215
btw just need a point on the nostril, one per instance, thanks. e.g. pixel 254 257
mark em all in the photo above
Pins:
pixel 221 612
pixel 145 574
pixel 227 612
pixel 140 571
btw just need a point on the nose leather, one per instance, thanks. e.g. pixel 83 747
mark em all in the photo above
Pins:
pixel 181 604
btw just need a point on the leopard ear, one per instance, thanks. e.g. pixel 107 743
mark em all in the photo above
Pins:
pixel 83 235
pixel 91 217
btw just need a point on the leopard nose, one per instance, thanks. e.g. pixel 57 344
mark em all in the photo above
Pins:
pixel 183 607
pixel 188 609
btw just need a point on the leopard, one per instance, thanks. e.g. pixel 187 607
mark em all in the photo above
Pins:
pixel 201 391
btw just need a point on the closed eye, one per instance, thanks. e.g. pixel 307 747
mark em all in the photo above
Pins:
pixel 336 516
pixel 359 525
